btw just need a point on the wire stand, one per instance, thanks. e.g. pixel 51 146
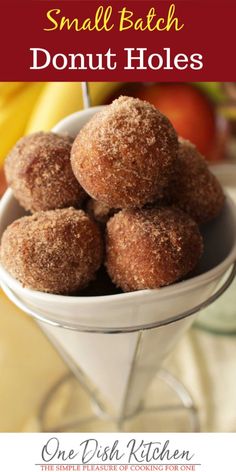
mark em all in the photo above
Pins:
pixel 88 410
pixel 71 396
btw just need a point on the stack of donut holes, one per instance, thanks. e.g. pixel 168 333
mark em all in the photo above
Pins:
pixel 126 193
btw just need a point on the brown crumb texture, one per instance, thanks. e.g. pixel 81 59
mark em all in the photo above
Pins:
pixel 124 155
pixel 39 172
pixel 99 211
pixel 195 189
pixel 57 251
pixel 151 248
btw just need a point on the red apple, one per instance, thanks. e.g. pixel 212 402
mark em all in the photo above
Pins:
pixel 190 112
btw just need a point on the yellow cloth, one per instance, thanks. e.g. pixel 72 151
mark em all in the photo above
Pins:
pixel 29 366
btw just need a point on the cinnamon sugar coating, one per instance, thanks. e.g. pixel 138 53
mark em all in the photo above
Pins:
pixel 57 251
pixel 195 189
pixel 147 249
pixel 124 156
pixel 39 172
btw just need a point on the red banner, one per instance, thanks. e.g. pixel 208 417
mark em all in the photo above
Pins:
pixel 118 40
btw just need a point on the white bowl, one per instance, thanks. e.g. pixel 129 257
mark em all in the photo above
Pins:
pixel 109 359
pixel 123 310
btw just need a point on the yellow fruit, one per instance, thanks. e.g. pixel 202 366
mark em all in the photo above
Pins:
pixel 60 99
pixel 57 100
pixel 14 115
pixel 101 91
pixel 7 89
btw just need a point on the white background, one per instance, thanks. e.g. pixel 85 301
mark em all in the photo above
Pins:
pixel 213 451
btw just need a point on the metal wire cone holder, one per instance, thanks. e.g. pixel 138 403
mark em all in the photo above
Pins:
pixel 99 408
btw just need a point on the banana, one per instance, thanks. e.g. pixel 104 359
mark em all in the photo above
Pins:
pixel 101 91
pixel 7 89
pixel 60 99
pixel 14 115
pixel 57 100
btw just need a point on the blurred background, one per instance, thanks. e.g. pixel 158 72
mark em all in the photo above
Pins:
pixel 204 113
